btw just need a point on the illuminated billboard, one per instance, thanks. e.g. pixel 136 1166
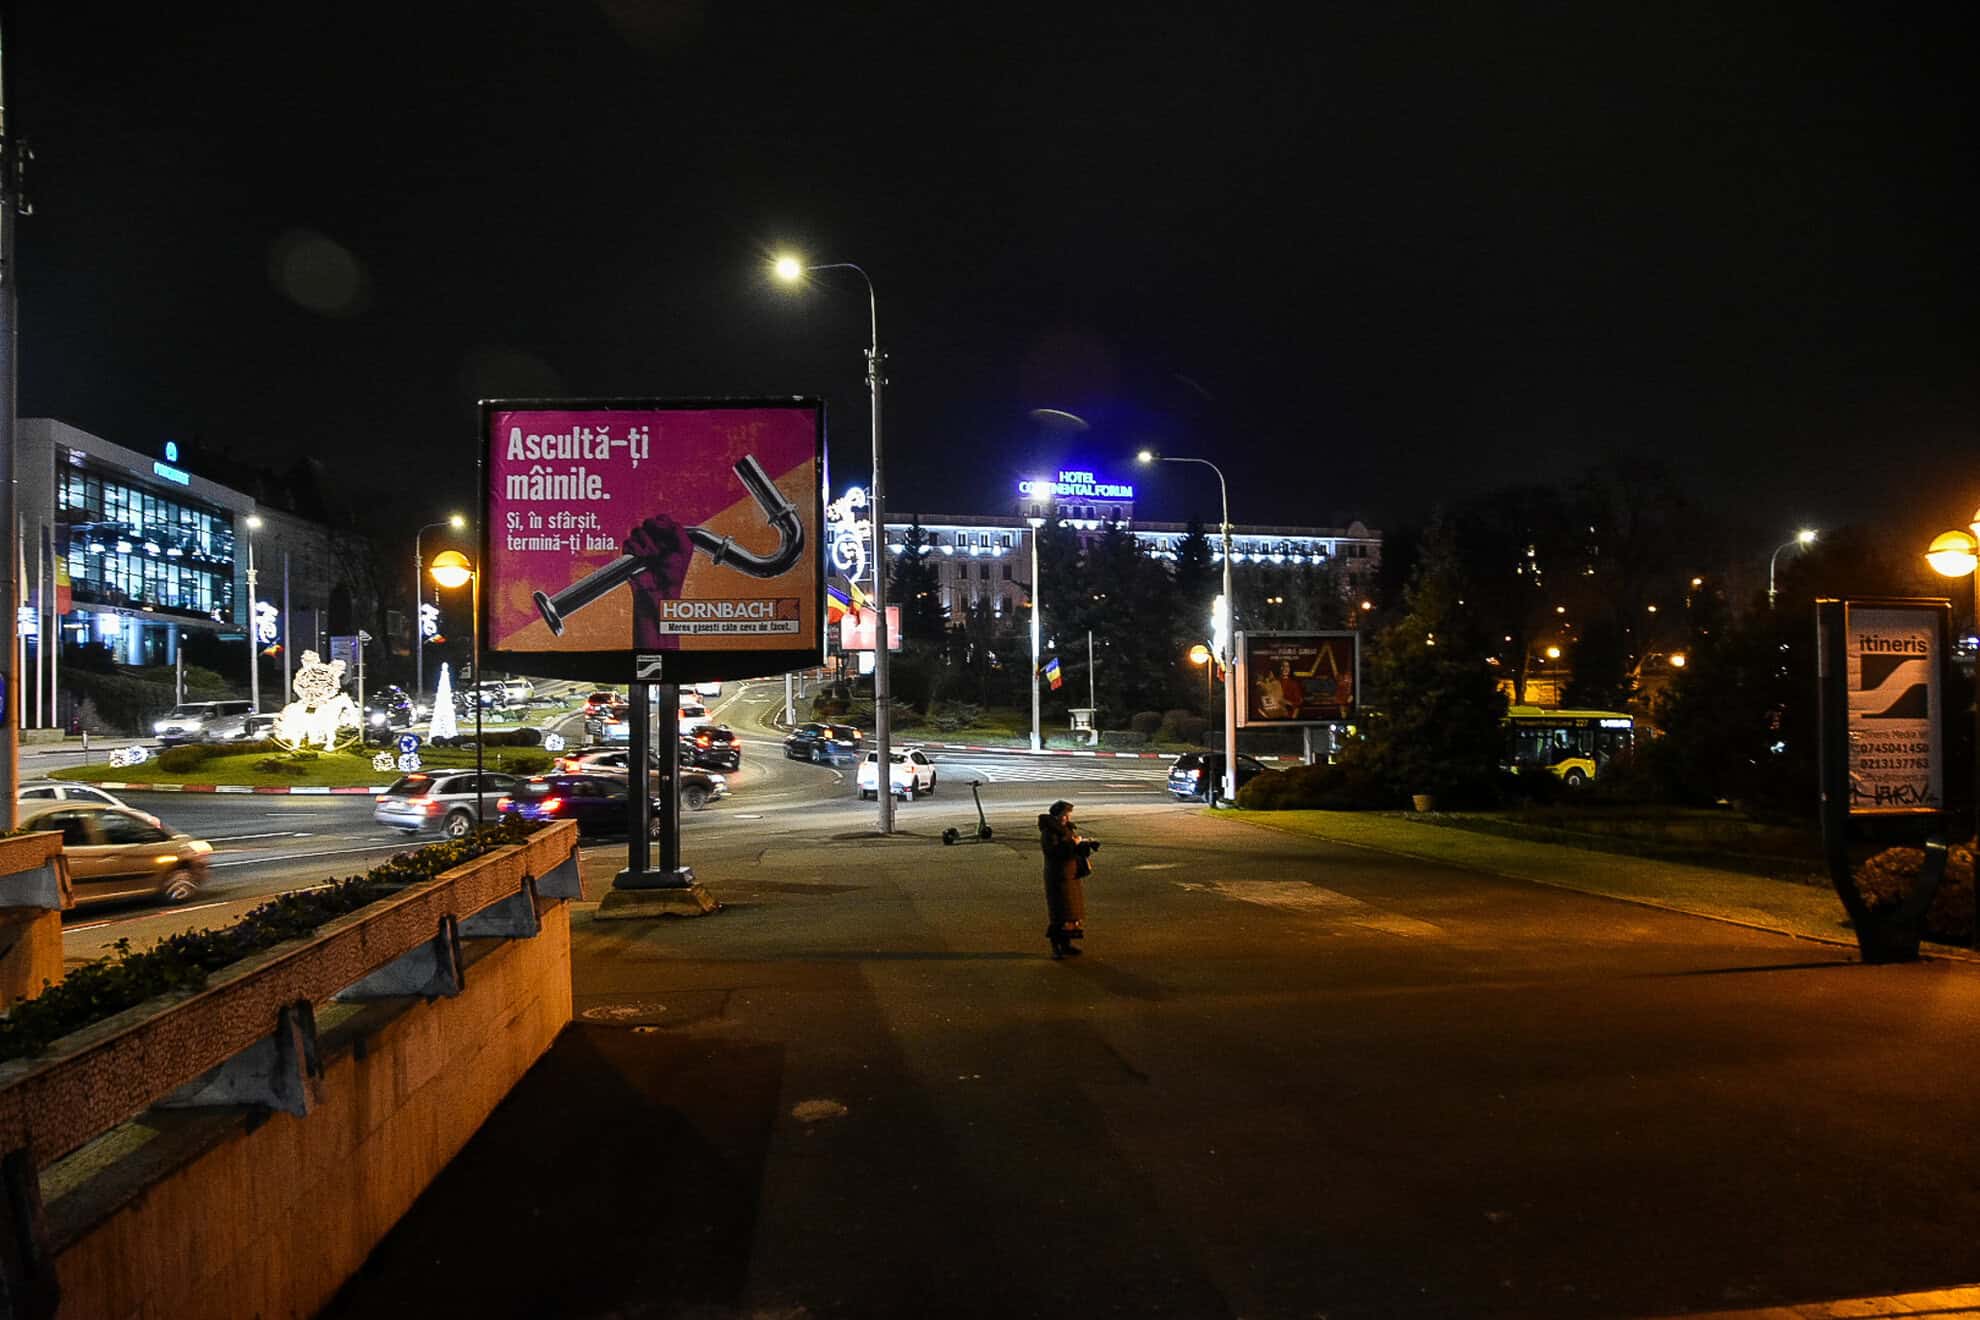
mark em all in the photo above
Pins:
pixel 670 541
pixel 1297 678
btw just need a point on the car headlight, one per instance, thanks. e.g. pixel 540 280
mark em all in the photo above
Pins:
pixel 720 781
pixel 377 717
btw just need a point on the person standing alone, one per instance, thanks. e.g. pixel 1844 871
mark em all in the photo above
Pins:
pixel 1065 869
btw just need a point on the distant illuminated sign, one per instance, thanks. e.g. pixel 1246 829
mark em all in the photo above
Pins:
pixel 850 529
pixel 171 451
pixel 170 473
pixel 1074 485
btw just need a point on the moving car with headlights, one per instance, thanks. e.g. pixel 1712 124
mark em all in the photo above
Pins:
pixel 115 852
pixel 442 800
pixel 712 747
pixel 387 711
pixel 40 791
pixel 204 721
pixel 913 773
pixel 1199 775
pixel 600 804
pixel 698 788
pixel 820 743
pixel 604 702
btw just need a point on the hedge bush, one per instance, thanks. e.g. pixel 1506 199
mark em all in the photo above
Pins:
pixel 1145 722
pixel 183 962
pixel 1192 729
pixel 1314 788
pixel 1885 879
pixel 1123 738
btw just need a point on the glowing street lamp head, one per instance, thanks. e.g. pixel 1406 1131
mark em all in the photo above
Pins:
pixel 1145 456
pixel 1953 554
pixel 254 522
pixel 451 569
pixel 456 521
pixel 1199 654
pixel 1806 536
pixel 788 269
pixel 1678 660
pixel 1553 653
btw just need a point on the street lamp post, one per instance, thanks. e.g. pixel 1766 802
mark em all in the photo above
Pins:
pixel 455 521
pixel 1230 628
pixel 1036 604
pixel 253 640
pixel 790 270
pixel 1957 554
pixel 1804 537
pixel 451 569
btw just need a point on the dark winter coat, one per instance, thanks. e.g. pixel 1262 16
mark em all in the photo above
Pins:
pixel 1065 895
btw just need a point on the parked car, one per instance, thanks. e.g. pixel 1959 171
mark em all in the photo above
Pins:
pixel 1199 775
pixel 604 702
pixel 712 747
pixel 698 788
pixel 204 721
pixel 912 773
pixel 600 804
pixel 710 690
pixel 518 691
pixel 440 800
pixel 822 742
pixel 115 852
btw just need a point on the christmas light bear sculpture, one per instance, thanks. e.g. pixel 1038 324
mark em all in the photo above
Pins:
pixel 321 712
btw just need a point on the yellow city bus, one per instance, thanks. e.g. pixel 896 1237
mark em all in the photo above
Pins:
pixel 1576 745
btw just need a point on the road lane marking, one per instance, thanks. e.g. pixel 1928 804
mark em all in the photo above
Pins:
pixel 303 856
pixel 272 834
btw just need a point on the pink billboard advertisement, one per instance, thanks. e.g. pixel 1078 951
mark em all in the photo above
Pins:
pixel 672 542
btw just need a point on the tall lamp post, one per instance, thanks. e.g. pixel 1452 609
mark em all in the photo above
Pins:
pixel 1953 555
pixel 451 569
pixel 1037 605
pixel 455 521
pixel 253 638
pixel 790 270
pixel 1804 538
pixel 1230 629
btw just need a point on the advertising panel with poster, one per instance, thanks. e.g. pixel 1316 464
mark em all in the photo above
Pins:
pixel 669 541
pixel 1297 678
pixel 858 633
pixel 1892 658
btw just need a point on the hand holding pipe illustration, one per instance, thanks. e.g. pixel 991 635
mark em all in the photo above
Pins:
pixel 658 550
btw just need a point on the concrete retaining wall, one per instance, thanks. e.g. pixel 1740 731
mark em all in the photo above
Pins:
pixel 244 1213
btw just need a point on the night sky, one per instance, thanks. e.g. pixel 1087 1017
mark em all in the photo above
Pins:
pixel 1370 259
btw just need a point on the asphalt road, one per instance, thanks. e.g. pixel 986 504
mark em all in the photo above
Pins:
pixel 266 845
pixel 1286 1079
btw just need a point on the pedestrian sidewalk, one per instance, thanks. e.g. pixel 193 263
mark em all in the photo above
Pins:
pixel 1808 912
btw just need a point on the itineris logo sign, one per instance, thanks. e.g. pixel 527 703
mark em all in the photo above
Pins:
pixel 1073 485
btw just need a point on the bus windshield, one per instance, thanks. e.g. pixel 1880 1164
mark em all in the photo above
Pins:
pixel 1576 745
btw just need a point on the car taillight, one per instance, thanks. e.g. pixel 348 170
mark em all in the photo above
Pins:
pixel 503 804
pixel 434 808
pixel 1196 773
pixel 551 806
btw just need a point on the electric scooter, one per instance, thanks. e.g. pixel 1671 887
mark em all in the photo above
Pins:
pixel 982 835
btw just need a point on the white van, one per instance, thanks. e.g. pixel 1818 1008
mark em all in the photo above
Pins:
pixel 709 690
pixel 693 715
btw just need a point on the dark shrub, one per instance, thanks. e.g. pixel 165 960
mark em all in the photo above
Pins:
pixel 1122 738
pixel 1315 787
pixel 1537 785
pixel 180 760
pixel 1146 722
pixel 280 765
pixel 1885 879
pixel 1192 729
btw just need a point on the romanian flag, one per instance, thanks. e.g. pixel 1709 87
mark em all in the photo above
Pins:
pixel 1052 673
pixel 836 605
pixel 859 599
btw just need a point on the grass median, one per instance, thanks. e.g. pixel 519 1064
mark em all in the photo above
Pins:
pixel 260 769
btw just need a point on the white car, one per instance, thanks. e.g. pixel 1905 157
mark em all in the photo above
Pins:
pixel 707 689
pixel 693 715
pixel 912 773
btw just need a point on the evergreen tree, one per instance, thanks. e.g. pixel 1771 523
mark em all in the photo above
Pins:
pixel 1434 704
pixel 914 587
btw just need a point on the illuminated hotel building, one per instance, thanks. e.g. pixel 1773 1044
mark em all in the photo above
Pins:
pixel 989 557
pixel 134 550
